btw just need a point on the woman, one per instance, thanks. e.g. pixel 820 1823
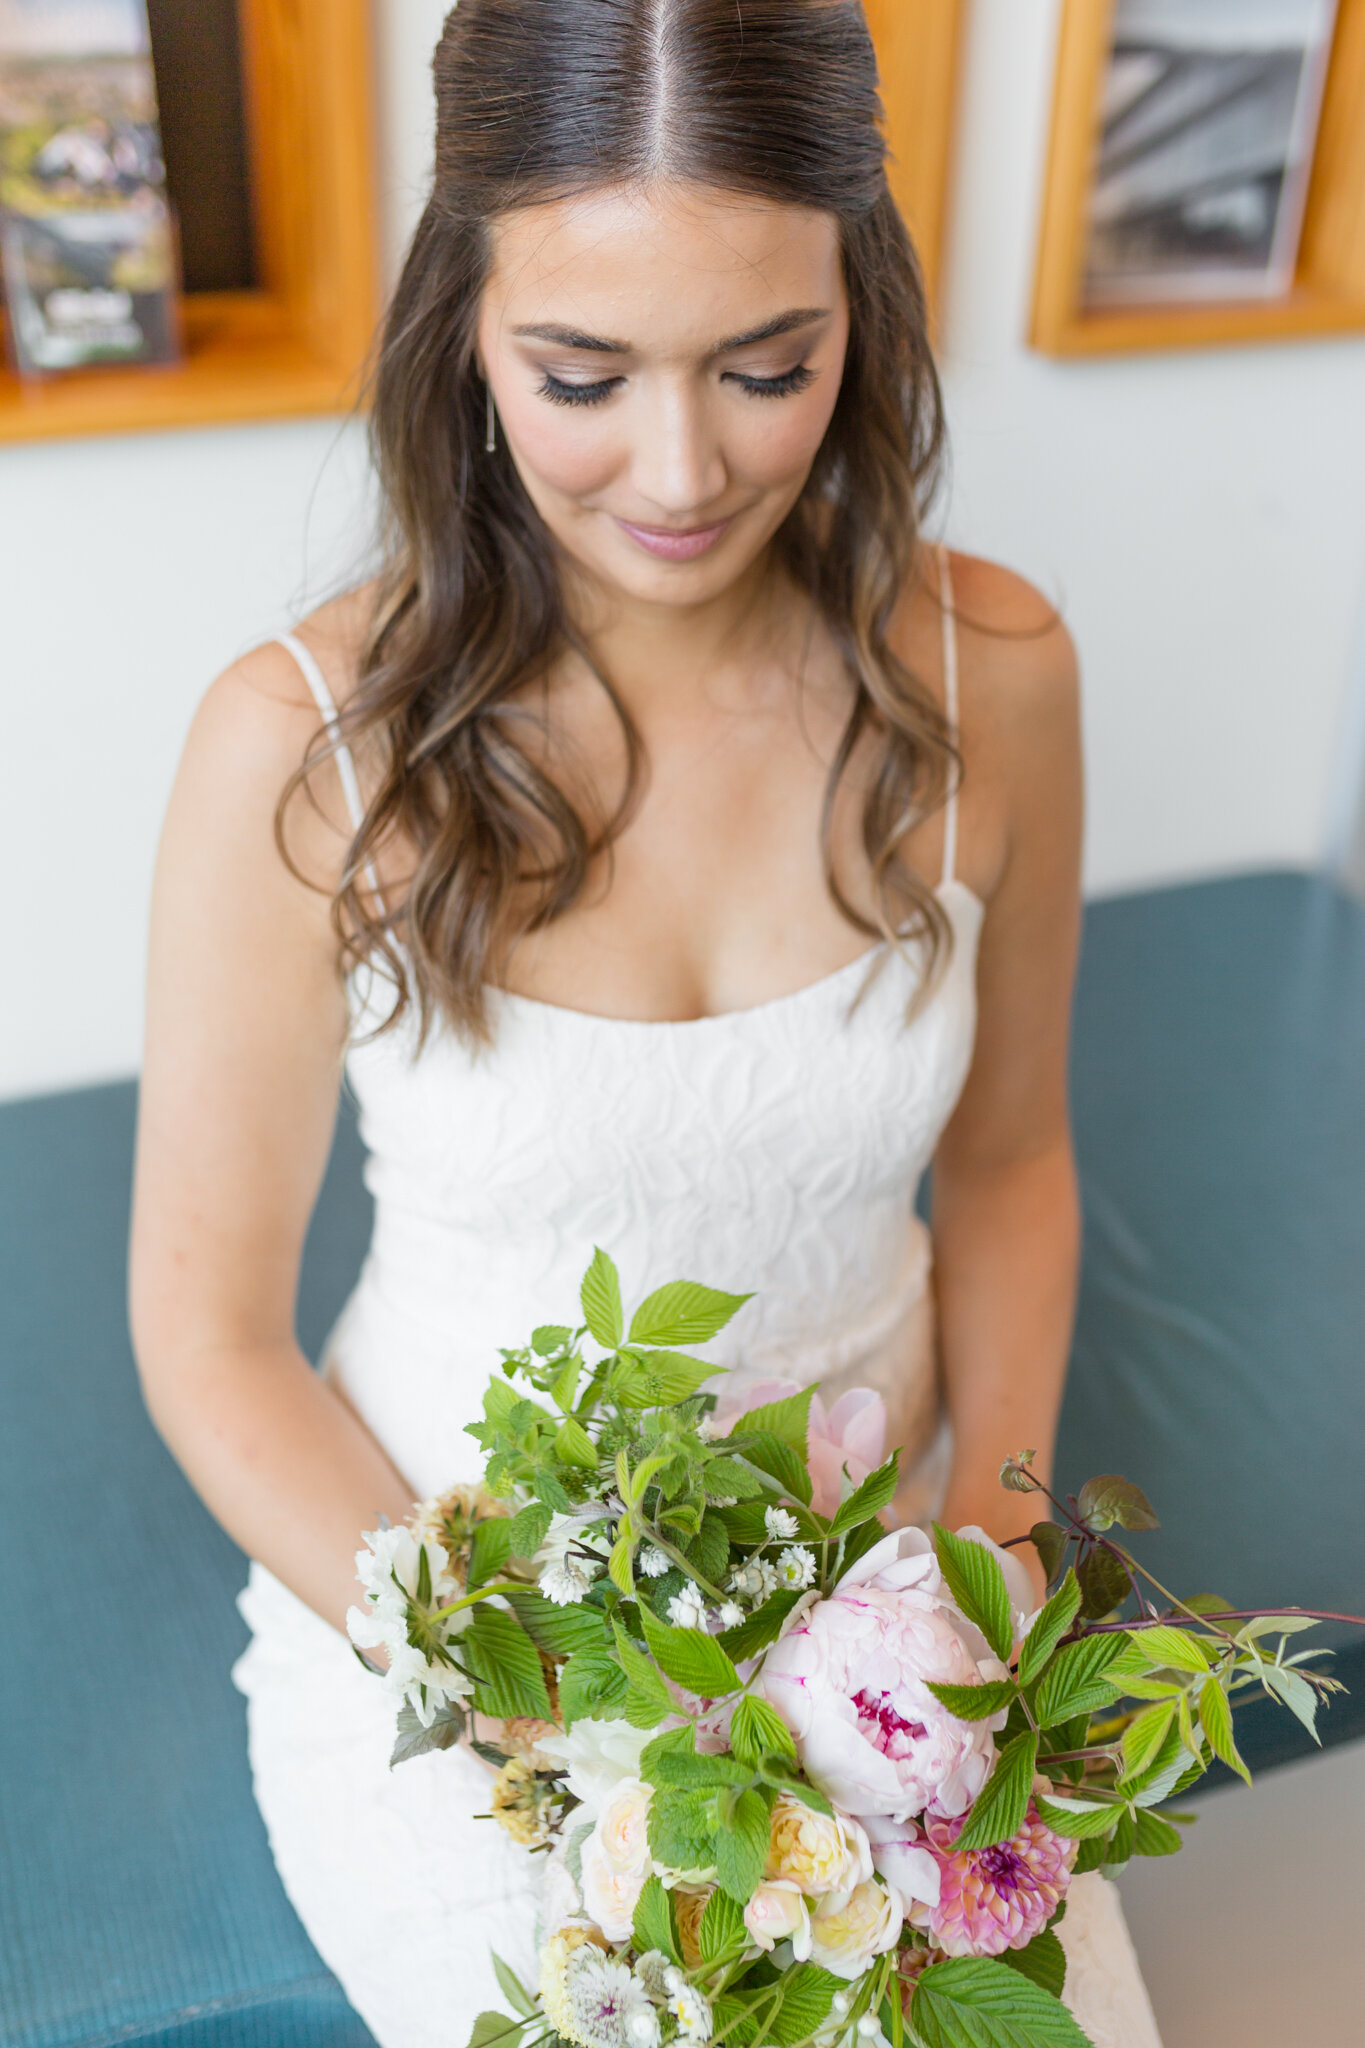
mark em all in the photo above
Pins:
pixel 641 890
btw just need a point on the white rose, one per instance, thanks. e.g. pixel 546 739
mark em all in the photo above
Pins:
pixel 610 1894
pixel 597 1756
pixel 622 1824
pixel 847 1933
pixel 777 1912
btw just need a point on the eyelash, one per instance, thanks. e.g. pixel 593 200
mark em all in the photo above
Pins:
pixel 785 386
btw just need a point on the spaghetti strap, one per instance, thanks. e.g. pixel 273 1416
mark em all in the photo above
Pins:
pixel 950 703
pixel 341 753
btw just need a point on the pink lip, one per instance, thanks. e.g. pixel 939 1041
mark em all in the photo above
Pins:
pixel 672 544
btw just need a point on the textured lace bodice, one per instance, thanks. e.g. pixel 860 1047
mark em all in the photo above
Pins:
pixel 774 1151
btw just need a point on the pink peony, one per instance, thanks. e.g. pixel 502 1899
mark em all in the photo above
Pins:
pixel 852 1433
pixel 850 1680
pixel 997 1898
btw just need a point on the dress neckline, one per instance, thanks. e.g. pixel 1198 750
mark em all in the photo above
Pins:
pixel 826 983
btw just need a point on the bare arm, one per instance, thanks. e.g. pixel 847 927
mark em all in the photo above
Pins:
pixel 1006 1209
pixel 245 1033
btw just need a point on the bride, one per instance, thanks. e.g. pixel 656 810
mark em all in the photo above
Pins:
pixel 680 851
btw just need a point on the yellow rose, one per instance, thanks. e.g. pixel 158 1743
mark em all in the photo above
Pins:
pixel 688 1907
pixel 817 1852
pixel 846 1934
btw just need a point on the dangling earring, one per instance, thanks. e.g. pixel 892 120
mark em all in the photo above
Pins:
pixel 491 439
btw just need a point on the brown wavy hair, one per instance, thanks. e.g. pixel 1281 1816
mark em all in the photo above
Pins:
pixel 539 100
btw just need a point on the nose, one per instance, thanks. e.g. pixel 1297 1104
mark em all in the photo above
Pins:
pixel 678 464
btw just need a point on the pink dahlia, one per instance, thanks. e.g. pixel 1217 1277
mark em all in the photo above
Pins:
pixel 997 1898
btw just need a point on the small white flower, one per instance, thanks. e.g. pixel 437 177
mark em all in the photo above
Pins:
pixel 566 1583
pixel 651 1970
pixel 725 1500
pixel 755 1581
pixel 596 1756
pixel 642 2028
pixel 731 1614
pixel 709 1431
pixel 653 1562
pixel 781 1524
pixel 796 1569
pixel 603 2000
pixel 869 2027
pixel 687 1609
pixel 688 2007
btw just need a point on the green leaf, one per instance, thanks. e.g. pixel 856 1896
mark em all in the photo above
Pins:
pixel 742 1847
pixel 735 2026
pixel 1049 1626
pixel 977 1583
pixel 660 1379
pixel 1080 1820
pixel 499 1400
pixel 867 1500
pixel 619 1563
pixel 573 1445
pixel 1075 1681
pixel 1208 1603
pixel 722 1929
pixel 1104 1583
pixel 1215 1713
pixel 777 1458
pixel 1110 1499
pixel 496 2030
pixel 489 1551
pixel 1050 1542
pixel 1175 1649
pixel 592 1685
pixel 1003 1801
pixel 559 1631
pixel 788 1418
pixel 763 1626
pixel 1297 1694
pixel 655 1926
pixel 1143 1737
pixel 807 1995
pixel 976 1702
pixel 1042 1961
pixel 969 2002
pixel 1155 1836
pixel 709 1549
pixel 1121 1847
pixel 549 1338
pixel 644 1679
pixel 447 1727
pixel 687 1770
pixel 601 1298
pixel 756 1731
pixel 506 1664
pixel 512 1988
pixel 727 1479
pixel 691 1658
pixel 683 1313
pixel 526 1529
pixel 682 1830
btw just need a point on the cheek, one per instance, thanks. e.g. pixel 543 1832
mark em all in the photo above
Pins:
pixel 562 449
pixel 780 438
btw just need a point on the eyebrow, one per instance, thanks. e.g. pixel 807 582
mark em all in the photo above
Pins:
pixel 598 344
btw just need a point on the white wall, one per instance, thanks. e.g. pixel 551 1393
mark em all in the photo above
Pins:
pixel 1201 516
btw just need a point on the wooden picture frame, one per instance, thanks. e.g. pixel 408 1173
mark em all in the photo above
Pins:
pixel 296 344
pixel 919 46
pixel 1328 293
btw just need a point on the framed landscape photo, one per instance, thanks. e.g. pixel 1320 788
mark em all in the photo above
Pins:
pixel 87 246
pixel 1205 175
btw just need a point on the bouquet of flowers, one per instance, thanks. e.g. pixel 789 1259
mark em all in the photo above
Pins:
pixel 797 1782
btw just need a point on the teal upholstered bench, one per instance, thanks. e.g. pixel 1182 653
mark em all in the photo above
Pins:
pixel 1220 1099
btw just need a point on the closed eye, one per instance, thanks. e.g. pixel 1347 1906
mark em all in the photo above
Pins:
pixel 560 393
pixel 785 386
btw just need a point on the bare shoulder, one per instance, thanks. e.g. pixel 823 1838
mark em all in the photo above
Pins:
pixel 1019 669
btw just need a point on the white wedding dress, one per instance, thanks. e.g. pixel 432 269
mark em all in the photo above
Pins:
pixel 775 1150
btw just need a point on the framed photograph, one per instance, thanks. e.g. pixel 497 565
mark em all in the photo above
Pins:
pixel 87 248
pixel 1203 182
pixel 1209 120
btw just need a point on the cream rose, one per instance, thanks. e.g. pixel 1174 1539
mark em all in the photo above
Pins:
pixel 847 1933
pixel 777 1912
pixel 817 1852
pixel 616 1863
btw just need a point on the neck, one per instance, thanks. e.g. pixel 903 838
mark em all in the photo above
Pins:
pixel 657 655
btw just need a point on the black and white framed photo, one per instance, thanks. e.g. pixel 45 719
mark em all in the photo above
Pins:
pixel 1208 123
